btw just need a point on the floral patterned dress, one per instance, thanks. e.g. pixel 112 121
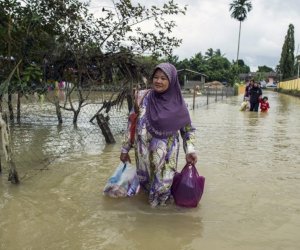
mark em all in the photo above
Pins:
pixel 156 159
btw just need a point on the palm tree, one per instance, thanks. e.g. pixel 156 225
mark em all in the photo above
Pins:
pixel 239 10
pixel 209 53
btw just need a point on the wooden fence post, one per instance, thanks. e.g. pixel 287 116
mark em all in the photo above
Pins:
pixel 194 96
pixel 207 93
pixel 216 99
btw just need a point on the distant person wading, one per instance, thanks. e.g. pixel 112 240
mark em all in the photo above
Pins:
pixel 255 96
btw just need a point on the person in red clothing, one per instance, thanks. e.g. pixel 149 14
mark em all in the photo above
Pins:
pixel 264 104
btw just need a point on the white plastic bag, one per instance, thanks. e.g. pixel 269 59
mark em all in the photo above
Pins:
pixel 124 182
pixel 244 106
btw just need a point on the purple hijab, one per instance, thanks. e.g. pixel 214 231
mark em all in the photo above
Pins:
pixel 166 112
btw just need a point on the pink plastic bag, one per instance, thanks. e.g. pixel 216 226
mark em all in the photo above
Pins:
pixel 187 187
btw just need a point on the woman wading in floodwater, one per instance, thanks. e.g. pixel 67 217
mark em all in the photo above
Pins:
pixel 162 115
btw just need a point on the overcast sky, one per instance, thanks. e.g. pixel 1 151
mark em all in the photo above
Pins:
pixel 207 24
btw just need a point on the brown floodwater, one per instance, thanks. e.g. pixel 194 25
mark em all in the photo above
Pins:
pixel 251 200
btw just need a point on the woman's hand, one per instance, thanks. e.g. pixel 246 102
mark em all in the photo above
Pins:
pixel 124 157
pixel 191 158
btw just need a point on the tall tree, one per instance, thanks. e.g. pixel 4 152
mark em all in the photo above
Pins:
pixel 209 53
pixel 239 10
pixel 264 69
pixel 65 40
pixel 243 68
pixel 286 63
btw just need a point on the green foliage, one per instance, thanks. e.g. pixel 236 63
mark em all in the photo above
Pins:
pixel 239 9
pixel 259 76
pixel 287 60
pixel 32 79
pixel 122 25
pixel 70 39
pixel 243 68
pixel 7 83
pixel 264 69
pixel 213 64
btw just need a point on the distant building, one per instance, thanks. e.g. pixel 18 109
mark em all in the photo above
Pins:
pixel 269 77
pixel 187 84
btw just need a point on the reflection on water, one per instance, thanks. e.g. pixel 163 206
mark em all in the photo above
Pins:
pixel 251 200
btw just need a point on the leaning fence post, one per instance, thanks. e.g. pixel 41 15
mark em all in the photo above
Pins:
pixel 102 122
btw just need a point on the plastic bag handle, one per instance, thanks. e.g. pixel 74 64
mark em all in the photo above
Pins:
pixel 123 169
pixel 191 167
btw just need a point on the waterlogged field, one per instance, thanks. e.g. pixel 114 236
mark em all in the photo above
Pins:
pixel 251 199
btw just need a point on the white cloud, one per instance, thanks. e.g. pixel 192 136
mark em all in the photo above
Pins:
pixel 207 24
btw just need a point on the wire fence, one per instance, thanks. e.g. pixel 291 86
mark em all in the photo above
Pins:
pixel 197 98
pixel 37 139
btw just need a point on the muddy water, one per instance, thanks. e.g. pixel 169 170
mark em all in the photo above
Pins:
pixel 251 201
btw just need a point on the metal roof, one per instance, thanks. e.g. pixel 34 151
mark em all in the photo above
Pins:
pixel 192 71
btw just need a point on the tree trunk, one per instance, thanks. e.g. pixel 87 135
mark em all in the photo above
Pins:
pixel 6 143
pixel 1 107
pixel 19 107
pixel 75 117
pixel 58 112
pixel 102 122
pixel 238 50
pixel 10 107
